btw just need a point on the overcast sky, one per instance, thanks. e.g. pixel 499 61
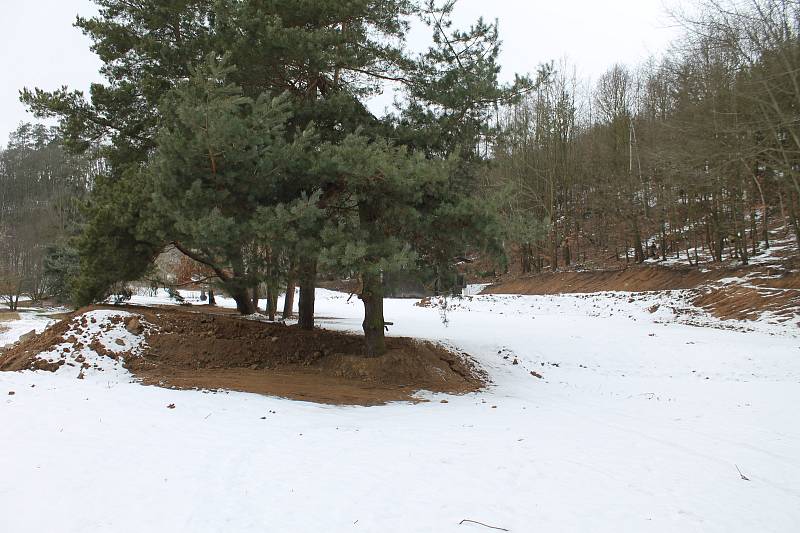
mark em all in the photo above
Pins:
pixel 40 48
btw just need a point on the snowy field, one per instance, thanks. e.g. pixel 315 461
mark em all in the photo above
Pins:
pixel 643 421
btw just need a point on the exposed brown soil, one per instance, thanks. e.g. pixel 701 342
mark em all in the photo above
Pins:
pixel 635 279
pixel 192 348
pixel 762 292
pixel 20 356
pixel 779 296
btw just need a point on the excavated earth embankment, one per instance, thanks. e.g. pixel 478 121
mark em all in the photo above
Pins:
pixel 742 293
pixel 633 279
pixel 203 349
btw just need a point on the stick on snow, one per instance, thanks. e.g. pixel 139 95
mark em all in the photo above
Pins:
pixel 482 524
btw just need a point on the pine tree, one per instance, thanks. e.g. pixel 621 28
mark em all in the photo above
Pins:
pixel 221 157
pixel 394 211
pixel 327 56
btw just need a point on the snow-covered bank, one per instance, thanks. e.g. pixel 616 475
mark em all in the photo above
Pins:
pixel 29 320
pixel 638 423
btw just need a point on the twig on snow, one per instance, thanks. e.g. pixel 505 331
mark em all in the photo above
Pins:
pixel 740 473
pixel 482 524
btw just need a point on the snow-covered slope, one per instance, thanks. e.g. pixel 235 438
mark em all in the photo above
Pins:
pixel 641 422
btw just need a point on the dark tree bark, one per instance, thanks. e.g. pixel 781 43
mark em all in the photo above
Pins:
pixel 307 277
pixel 272 300
pixel 288 301
pixel 211 299
pixel 255 296
pixel 525 258
pixel 242 297
pixel 372 296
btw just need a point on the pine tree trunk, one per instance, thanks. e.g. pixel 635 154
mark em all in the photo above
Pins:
pixel 255 295
pixel 307 277
pixel 272 299
pixel 372 296
pixel 242 297
pixel 211 299
pixel 288 300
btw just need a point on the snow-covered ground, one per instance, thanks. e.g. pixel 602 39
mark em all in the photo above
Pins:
pixel 641 422
pixel 29 320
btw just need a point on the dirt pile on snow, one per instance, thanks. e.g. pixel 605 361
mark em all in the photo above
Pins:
pixel 97 340
pixel 211 351
pixel 187 349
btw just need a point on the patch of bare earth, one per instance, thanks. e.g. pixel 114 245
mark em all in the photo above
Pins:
pixel 633 279
pixel 778 295
pixel 191 349
pixel 773 289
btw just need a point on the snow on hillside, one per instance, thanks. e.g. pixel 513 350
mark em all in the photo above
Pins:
pixel 641 421
pixel 782 242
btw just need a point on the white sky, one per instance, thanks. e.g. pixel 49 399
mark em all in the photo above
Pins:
pixel 40 48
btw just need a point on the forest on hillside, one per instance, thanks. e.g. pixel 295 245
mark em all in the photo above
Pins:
pixel 267 170
pixel 693 155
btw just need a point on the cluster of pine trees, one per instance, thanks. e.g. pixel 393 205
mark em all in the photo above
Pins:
pixel 688 157
pixel 238 132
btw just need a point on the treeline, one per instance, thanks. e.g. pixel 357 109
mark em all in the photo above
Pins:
pixel 40 185
pixel 688 157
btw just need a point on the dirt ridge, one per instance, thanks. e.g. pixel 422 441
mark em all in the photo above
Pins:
pixel 192 349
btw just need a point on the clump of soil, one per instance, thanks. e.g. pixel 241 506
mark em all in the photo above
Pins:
pixel 189 349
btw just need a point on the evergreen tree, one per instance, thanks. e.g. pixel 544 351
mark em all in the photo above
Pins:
pixel 221 158
pixel 328 56
pixel 394 211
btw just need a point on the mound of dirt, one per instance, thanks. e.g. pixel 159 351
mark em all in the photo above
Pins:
pixel 97 340
pixel 188 349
